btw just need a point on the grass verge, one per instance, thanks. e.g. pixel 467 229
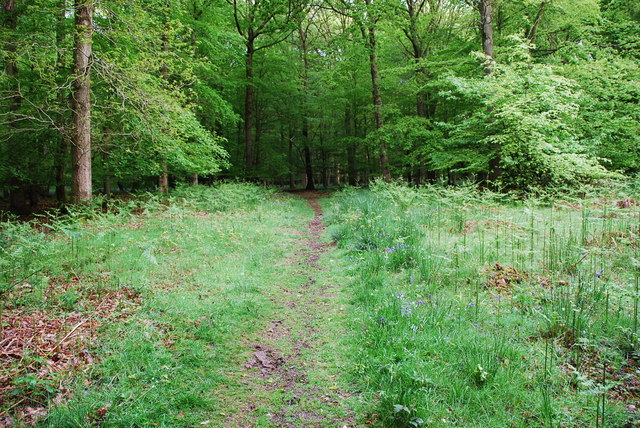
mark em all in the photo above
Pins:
pixel 199 277
pixel 473 311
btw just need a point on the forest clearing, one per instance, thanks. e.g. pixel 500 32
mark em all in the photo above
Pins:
pixel 234 306
pixel 167 258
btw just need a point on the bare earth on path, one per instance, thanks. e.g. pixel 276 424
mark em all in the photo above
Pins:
pixel 290 377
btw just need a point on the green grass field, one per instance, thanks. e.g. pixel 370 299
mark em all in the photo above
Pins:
pixel 481 312
pixel 227 306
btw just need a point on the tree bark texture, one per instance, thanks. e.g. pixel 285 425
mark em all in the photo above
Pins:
pixel 485 8
pixel 377 100
pixel 81 102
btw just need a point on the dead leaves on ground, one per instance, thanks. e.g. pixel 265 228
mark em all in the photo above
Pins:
pixel 39 350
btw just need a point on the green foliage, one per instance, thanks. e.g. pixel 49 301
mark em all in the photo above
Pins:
pixel 71 264
pixel 610 111
pixel 417 138
pixel 502 301
pixel 169 86
pixel 527 125
pixel 228 196
pixel 141 120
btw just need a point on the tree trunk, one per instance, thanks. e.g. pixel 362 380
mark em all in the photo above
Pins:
pixel 423 108
pixel 418 53
pixel 107 176
pixel 377 100
pixel 533 31
pixel 257 130
pixel 61 171
pixel 308 169
pixel 81 102
pixel 308 166
pixel 485 8
pixel 163 179
pixel 325 169
pixel 248 108
pixel 291 177
pixel 351 149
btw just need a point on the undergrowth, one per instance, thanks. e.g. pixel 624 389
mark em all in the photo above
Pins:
pixel 482 309
pixel 115 314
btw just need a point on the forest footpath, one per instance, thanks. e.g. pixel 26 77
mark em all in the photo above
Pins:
pixel 291 376
pixel 226 306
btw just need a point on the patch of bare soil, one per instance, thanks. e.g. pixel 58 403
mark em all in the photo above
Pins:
pixel 503 278
pixel 277 355
pixel 39 350
pixel 623 379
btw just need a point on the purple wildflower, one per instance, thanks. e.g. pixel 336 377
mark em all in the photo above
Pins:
pixel 406 311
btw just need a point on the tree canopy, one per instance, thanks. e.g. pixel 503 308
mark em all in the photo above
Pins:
pixel 514 93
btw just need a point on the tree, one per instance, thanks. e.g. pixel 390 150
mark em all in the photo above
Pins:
pixel 364 87
pixel 256 20
pixel 485 11
pixel 81 101
pixel 366 14
pixel 304 45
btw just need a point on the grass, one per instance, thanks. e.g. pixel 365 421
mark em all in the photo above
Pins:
pixel 439 307
pixel 204 280
pixel 204 277
pixel 476 311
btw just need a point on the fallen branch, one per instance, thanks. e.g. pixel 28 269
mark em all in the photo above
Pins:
pixel 6 411
pixel 69 334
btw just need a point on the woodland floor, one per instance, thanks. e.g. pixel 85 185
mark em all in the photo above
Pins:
pixel 233 307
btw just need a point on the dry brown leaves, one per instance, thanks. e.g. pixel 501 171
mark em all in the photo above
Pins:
pixel 47 348
pixel 627 203
pixel 624 380
pixel 502 278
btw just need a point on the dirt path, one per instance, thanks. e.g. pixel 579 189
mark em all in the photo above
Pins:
pixel 289 374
